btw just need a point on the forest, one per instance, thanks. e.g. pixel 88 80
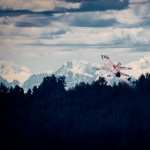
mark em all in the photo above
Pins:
pixel 87 116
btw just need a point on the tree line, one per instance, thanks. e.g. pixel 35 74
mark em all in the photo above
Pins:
pixel 89 114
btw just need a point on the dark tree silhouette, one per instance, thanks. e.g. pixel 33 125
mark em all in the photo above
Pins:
pixel 89 114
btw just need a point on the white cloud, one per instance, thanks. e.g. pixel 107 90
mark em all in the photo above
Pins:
pixel 101 36
pixel 60 33
pixel 37 5
pixel 127 17
pixel 62 29
pixel 52 40
pixel 26 4
pixel 62 4
pixel 11 72
pixel 140 66
pixel 141 7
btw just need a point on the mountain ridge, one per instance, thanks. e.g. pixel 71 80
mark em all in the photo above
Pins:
pixel 75 73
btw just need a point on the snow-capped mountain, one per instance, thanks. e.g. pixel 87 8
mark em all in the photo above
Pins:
pixel 82 71
pixel 4 82
pixel 8 84
pixel 14 83
pixel 34 80
pixel 75 73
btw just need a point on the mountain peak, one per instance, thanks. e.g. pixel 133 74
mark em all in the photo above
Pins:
pixel 34 80
pixel 75 72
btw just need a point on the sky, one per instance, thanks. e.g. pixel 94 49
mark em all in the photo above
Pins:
pixel 56 31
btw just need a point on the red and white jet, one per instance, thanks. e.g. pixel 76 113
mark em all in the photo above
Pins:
pixel 115 69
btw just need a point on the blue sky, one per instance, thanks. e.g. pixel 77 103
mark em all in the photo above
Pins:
pixel 76 30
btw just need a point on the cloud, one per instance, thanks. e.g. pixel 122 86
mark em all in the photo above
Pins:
pixel 53 39
pixel 104 5
pixel 11 71
pixel 33 21
pixel 27 4
pixel 36 5
pixel 88 19
pixel 103 19
pixel 97 5
pixel 141 8
pixel 140 66
pixel 104 37
pixel 65 5
pixel 109 28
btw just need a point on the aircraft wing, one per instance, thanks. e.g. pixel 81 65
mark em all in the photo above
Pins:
pixel 125 68
pixel 102 68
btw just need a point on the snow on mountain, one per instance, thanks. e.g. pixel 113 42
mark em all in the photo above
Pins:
pixel 34 80
pixel 7 83
pixel 81 71
pixel 15 83
pixel 76 72
pixel 4 82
